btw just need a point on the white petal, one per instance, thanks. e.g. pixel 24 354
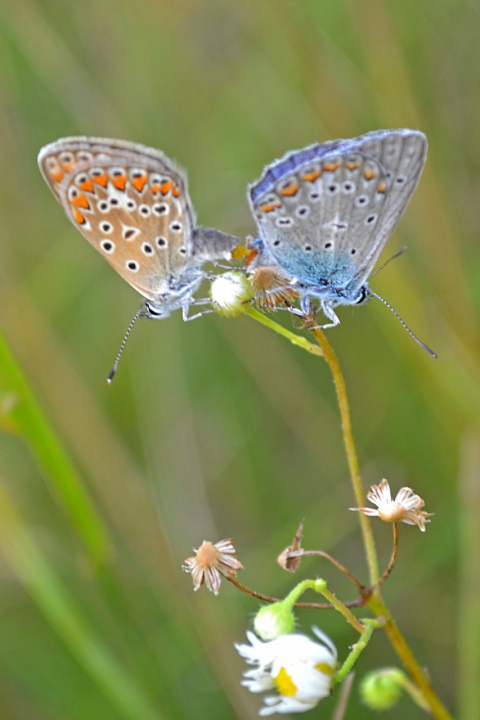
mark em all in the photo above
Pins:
pixel 282 705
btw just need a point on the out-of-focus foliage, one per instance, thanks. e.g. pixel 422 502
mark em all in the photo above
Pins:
pixel 218 428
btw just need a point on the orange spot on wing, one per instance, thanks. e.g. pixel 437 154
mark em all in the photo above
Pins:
pixel 69 166
pixel 81 201
pixel 175 191
pixel 119 181
pixel 330 167
pixel 311 176
pixel 290 190
pixel 155 188
pixel 139 182
pixel 166 187
pixel 381 188
pixel 78 217
pixel 87 186
pixel 352 165
pixel 58 175
pixel 368 174
pixel 269 207
pixel 101 180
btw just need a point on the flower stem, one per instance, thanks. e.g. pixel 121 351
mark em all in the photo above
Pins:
pixel 293 337
pixel 419 677
pixel 375 601
pixel 351 452
pixel 367 630
pixel 393 559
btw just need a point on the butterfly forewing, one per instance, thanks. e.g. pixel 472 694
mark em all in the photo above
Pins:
pixel 131 203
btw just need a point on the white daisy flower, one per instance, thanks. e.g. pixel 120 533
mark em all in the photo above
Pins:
pixel 300 669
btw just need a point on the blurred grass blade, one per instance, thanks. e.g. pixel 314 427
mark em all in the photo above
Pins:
pixel 21 413
pixel 21 552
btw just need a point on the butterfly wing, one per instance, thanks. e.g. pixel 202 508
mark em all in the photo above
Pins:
pixel 131 203
pixel 325 212
pixel 402 155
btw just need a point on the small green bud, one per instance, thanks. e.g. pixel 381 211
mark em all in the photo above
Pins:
pixel 381 689
pixel 274 620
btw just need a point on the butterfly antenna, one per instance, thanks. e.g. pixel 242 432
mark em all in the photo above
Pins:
pixel 114 369
pixel 399 252
pixel 425 347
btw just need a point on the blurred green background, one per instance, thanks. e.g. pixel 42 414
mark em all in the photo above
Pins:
pixel 219 428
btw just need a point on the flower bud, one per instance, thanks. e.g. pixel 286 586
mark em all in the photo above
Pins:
pixel 381 689
pixel 231 294
pixel 274 620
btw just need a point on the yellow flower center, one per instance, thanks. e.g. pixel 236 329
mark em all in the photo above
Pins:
pixel 324 668
pixel 285 684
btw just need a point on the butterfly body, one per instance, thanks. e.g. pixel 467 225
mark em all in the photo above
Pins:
pixel 132 204
pixel 325 213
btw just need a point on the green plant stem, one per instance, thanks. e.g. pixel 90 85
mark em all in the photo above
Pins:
pixel 288 334
pixel 21 550
pixel 320 586
pixel 21 413
pixel 367 631
pixel 351 452
pixel 421 680
pixel 375 602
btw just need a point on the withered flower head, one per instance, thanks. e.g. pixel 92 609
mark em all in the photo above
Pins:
pixel 290 564
pixel 405 508
pixel 272 287
pixel 210 562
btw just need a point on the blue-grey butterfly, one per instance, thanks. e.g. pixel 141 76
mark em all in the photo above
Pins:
pixel 325 213
pixel 132 204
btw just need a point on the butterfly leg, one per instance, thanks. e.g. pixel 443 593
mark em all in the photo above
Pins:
pixel 197 301
pixel 328 310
